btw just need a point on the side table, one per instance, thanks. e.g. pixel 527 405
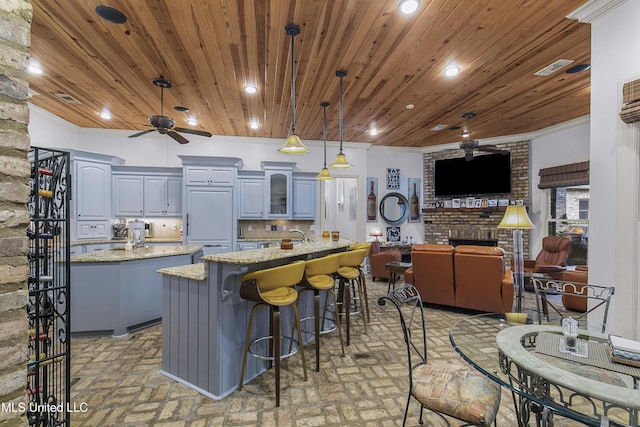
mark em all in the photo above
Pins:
pixel 395 269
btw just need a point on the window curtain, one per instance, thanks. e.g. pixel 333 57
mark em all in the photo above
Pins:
pixel 630 112
pixel 564 176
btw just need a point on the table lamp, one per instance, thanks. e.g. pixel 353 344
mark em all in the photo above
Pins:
pixel 375 231
pixel 516 218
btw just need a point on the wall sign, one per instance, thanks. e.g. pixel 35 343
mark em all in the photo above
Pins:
pixel 393 179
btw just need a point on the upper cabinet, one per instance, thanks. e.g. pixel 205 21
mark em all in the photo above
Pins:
pixel 277 178
pixel 276 192
pixel 304 196
pixel 147 191
pixel 92 189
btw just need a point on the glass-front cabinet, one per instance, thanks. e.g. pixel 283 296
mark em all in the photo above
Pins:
pixel 278 183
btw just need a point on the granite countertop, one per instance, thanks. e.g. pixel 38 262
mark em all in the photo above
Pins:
pixel 191 271
pixel 119 255
pixel 256 256
pixel 176 240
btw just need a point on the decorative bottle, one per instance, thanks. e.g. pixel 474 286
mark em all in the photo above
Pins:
pixel 371 204
pixel 414 211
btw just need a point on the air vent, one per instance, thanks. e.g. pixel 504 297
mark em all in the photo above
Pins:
pixel 439 127
pixel 68 98
pixel 552 68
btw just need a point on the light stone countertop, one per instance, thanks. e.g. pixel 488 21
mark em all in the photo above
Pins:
pixel 256 256
pixel 192 271
pixel 175 240
pixel 120 255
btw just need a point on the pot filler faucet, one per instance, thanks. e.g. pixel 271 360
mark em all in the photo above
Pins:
pixel 304 236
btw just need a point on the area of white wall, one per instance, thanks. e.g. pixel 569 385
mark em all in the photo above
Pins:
pixel 411 165
pixel 555 146
pixel 613 232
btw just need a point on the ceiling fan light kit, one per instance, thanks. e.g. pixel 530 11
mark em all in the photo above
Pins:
pixel 163 124
pixel 341 160
pixel 324 173
pixel 293 145
pixel 470 146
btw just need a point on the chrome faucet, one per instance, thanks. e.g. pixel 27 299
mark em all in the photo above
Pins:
pixel 135 242
pixel 304 236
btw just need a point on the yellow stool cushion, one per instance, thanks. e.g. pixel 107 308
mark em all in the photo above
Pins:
pixel 321 281
pixel 349 272
pixel 280 296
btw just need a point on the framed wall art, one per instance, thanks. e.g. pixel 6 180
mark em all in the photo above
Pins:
pixel 393 179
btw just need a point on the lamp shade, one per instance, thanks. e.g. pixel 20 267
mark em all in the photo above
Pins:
pixel 341 162
pixel 375 231
pixel 293 145
pixel 516 217
pixel 324 174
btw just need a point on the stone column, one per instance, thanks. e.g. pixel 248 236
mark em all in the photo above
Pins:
pixel 15 27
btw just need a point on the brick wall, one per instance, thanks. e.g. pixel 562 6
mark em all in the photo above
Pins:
pixel 476 223
pixel 15 25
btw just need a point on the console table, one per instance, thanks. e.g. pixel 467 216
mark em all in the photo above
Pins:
pixel 405 250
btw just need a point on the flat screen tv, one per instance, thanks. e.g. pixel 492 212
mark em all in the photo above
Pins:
pixel 485 174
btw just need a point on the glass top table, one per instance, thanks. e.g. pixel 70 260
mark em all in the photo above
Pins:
pixel 545 381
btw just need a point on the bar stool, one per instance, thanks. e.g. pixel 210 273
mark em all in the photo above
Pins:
pixel 350 283
pixel 367 247
pixel 273 288
pixel 319 276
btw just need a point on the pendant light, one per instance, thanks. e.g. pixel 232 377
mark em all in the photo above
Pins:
pixel 341 160
pixel 293 145
pixel 324 173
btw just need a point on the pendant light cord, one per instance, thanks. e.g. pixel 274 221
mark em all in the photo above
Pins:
pixel 324 106
pixel 293 84
pixel 341 74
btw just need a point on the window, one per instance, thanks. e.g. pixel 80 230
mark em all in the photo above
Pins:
pixel 569 217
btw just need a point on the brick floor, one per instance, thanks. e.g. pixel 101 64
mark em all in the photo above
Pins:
pixel 120 381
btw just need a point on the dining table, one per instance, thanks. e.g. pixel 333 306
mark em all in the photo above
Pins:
pixel 547 380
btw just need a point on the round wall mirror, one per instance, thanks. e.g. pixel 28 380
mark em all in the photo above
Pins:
pixel 394 208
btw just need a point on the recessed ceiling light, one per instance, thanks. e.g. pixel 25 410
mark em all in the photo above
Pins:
pixel 250 89
pixel 409 106
pixel 254 124
pixel 181 108
pixel 451 71
pixel 407 7
pixel 465 134
pixel 373 132
pixel 111 15
pixel 105 114
pixel 191 121
pixel 34 68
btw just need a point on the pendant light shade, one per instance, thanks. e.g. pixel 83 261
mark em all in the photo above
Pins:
pixel 324 173
pixel 341 160
pixel 293 145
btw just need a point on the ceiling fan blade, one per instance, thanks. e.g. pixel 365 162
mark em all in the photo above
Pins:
pixel 193 132
pixel 175 135
pixel 468 155
pixel 140 133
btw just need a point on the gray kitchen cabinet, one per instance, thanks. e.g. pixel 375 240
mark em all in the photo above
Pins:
pixel 128 193
pixel 92 230
pixel 251 197
pixel 92 191
pixel 210 211
pixel 162 196
pixel 277 178
pixel 304 196
pixel 247 246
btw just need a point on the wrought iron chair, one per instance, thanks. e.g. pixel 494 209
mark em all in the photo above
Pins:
pixel 598 298
pixel 441 386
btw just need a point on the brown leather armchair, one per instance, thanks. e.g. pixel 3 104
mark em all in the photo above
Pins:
pixel 552 259
pixel 579 275
pixel 432 273
pixel 378 259
pixel 482 280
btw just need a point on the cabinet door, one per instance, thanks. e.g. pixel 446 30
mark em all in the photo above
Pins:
pixel 155 189
pixel 92 191
pixel 174 196
pixel 127 195
pixel 209 216
pixel 92 230
pixel 304 199
pixel 197 175
pixel 251 198
pixel 278 193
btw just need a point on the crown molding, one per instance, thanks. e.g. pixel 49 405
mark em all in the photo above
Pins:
pixel 593 10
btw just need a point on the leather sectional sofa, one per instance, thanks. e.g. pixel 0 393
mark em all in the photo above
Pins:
pixel 471 277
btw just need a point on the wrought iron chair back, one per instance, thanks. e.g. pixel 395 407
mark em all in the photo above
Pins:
pixel 598 297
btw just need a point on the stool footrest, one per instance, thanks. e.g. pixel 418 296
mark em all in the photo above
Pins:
pixel 293 345
pixel 330 325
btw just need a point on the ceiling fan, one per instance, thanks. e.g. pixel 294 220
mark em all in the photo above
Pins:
pixel 164 124
pixel 469 146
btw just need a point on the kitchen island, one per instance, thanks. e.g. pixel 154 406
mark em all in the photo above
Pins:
pixel 116 291
pixel 204 319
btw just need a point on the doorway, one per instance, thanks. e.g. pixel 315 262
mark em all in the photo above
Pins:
pixel 340 204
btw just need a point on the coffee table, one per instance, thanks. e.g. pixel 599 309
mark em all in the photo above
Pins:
pixel 395 269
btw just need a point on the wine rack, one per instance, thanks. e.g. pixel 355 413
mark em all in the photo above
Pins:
pixel 48 365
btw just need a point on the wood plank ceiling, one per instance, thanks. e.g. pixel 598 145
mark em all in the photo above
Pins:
pixel 211 49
